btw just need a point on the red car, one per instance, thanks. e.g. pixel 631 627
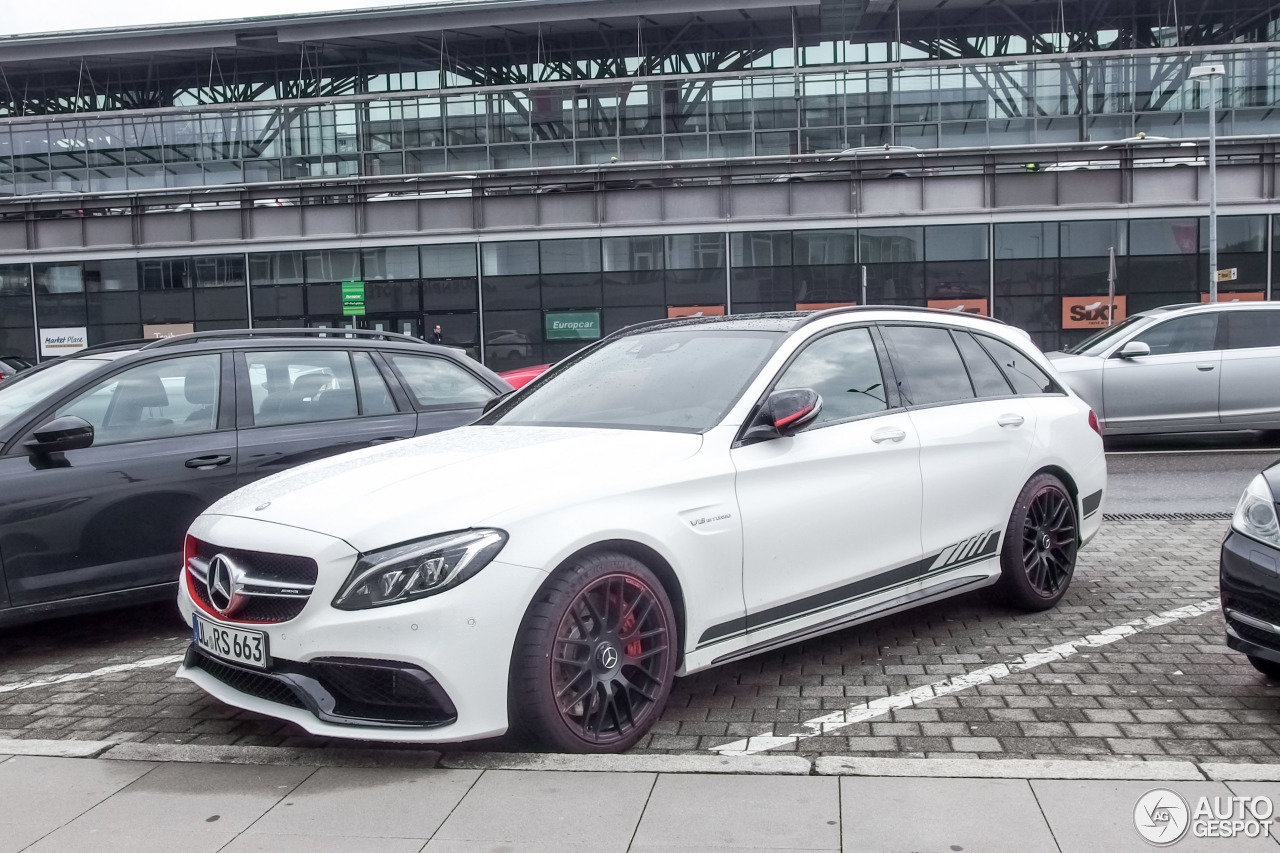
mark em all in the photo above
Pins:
pixel 522 376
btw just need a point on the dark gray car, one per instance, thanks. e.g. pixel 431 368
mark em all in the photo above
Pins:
pixel 107 456
pixel 1182 368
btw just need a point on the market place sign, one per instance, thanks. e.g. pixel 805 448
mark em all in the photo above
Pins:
pixel 573 326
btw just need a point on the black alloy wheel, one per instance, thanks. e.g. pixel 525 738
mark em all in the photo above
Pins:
pixel 596 656
pixel 1038 559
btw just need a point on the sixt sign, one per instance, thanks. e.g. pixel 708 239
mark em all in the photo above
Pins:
pixel 1091 312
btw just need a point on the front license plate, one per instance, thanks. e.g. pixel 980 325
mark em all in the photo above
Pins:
pixel 234 644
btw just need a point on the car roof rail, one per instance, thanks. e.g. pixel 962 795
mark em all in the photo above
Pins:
pixel 854 309
pixel 327 332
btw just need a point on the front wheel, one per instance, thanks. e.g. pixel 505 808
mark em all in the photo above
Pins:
pixel 1270 669
pixel 595 658
pixel 1038 559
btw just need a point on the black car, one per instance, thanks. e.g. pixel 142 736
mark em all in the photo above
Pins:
pixel 1250 575
pixel 11 365
pixel 108 455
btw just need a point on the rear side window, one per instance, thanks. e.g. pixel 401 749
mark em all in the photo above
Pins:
pixel 845 371
pixel 438 382
pixel 988 381
pixel 928 365
pixel 375 397
pixel 301 386
pixel 1023 373
pixel 1250 329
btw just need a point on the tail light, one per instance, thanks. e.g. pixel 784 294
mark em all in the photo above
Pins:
pixel 1093 423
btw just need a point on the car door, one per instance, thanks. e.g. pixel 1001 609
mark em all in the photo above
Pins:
pixel 300 405
pixel 112 516
pixel 1175 387
pixel 975 437
pixel 831 514
pixel 446 394
pixel 1250 386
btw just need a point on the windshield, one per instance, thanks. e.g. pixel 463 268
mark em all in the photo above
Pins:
pixel 681 380
pixel 27 390
pixel 1095 344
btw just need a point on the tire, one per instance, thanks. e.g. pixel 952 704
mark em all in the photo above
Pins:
pixel 595 657
pixel 1268 668
pixel 1038 558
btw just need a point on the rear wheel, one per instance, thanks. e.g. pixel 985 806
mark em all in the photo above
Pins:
pixel 1268 668
pixel 596 656
pixel 1038 559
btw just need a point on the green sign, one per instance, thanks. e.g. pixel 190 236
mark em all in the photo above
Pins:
pixel 573 326
pixel 353 299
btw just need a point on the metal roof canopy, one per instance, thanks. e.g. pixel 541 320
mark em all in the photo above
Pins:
pixel 487 19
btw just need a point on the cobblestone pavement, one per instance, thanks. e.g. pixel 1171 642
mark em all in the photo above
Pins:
pixel 1170 692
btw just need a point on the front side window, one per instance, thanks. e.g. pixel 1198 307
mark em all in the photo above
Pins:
pixel 27 391
pixel 928 365
pixel 845 371
pixel 177 396
pixel 438 382
pixel 1196 333
pixel 301 386
pixel 1253 329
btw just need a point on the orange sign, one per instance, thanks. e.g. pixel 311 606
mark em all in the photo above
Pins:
pixel 1238 296
pixel 961 306
pixel 694 311
pixel 1090 312
pixel 822 306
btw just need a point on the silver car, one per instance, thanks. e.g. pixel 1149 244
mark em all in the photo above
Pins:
pixel 1182 368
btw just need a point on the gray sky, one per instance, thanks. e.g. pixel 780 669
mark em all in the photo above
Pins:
pixel 42 16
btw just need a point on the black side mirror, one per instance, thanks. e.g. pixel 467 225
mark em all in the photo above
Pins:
pixel 493 403
pixel 65 433
pixel 785 413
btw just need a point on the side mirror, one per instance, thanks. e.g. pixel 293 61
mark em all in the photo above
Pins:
pixel 785 413
pixel 65 433
pixel 1134 349
pixel 492 404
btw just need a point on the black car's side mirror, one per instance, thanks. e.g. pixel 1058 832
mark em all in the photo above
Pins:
pixel 65 433
pixel 785 413
pixel 493 403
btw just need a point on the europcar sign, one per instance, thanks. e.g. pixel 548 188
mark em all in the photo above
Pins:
pixel 573 326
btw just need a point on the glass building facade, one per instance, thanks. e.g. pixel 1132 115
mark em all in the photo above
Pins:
pixel 495 299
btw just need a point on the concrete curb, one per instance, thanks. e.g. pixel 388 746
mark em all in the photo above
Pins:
pixel 275 755
pixel 1242 772
pixel 56 748
pixel 771 765
pixel 978 768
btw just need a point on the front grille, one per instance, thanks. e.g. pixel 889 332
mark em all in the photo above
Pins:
pixel 384 690
pixel 1257 607
pixel 259 566
pixel 256 684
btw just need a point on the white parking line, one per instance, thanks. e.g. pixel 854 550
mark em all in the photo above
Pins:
pixel 81 676
pixel 837 720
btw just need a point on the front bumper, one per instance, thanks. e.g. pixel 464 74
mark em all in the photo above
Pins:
pixel 428 671
pixel 1249 579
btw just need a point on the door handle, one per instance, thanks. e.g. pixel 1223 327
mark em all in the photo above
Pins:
pixel 386 439
pixel 1204 366
pixel 208 461
pixel 1010 421
pixel 888 434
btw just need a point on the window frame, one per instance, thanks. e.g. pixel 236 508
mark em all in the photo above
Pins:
pixel 974 398
pixel 440 407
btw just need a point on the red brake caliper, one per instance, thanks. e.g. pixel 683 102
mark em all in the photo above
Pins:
pixel 635 647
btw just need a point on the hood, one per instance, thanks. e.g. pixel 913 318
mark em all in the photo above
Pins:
pixel 466 477
pixel 1065 362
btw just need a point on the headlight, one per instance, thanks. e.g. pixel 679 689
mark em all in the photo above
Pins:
pixel 1256 513
pixel 417 569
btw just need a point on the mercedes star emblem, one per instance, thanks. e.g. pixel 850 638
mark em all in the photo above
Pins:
pixel 223 583
pixel 608 657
